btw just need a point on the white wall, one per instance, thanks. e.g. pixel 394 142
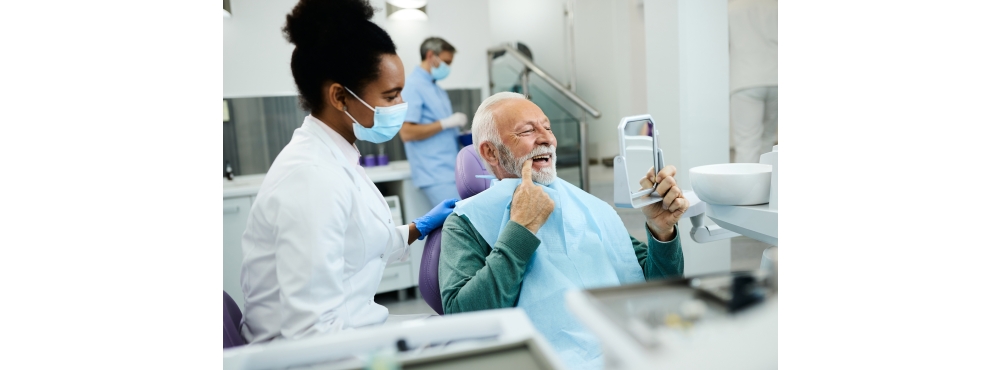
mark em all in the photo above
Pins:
pixel 536 23
pixel 704 83
pixel 601 70
pixel 256 56
pixel 688 95
pixel 610 58
pixel 637 68
pixel 463 23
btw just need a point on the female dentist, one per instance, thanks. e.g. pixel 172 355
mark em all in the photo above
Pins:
pixel 320 233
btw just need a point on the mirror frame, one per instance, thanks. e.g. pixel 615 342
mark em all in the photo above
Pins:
pixel 625 198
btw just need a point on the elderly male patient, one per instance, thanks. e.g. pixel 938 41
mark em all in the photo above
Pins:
pixel 524 244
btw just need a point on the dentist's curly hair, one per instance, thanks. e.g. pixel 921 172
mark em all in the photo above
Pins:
pixel 335 41
pixel 484 123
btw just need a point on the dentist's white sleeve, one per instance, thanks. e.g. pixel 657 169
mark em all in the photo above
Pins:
pixel 400 249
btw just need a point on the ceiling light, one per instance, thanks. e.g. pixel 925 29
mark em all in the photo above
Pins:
pixel 406 10
pixel 408 15
pixel 408 4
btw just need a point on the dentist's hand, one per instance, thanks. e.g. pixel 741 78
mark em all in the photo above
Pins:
pixel 662 216
pixel 530 207
pixel 455 120
pixel 435 218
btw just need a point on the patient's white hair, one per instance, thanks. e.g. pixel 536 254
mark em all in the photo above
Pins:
pixel 484 123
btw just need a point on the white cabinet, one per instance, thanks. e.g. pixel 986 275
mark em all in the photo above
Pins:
pixel 395 208
pixel 235 212
pixel 395 277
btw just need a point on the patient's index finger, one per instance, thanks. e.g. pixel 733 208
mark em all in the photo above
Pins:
pixel 526 172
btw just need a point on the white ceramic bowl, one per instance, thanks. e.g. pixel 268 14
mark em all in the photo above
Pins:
pixel 732 184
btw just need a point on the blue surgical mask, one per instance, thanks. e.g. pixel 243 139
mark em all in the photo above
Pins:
pixel 388 121
pixel 441 71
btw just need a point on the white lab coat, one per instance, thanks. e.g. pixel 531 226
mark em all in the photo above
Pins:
pixel 317 241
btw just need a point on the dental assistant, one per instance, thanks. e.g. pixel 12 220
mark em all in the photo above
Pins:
pixel 320 233
pixel 753 78
pixel 430 132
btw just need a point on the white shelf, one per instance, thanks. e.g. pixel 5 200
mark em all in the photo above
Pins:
pixel 395 171
pixel 241 186
pixel 758 222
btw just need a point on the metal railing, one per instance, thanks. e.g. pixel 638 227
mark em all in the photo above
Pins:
pixel 531 67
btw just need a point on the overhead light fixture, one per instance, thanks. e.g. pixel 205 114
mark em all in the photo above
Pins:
pixel 406 10
pixel 408 4
pixel 226 13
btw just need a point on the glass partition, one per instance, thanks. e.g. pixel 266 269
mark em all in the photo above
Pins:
pixel 505 74
pixel 566 128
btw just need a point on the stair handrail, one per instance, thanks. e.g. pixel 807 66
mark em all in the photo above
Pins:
pixel 576 99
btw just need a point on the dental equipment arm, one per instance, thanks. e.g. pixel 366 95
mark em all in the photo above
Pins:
pixel 700 232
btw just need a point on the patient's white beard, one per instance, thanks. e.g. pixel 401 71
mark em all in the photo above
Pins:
pixel 513 166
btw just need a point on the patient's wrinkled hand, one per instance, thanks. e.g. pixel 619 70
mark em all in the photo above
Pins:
pixel 530 207
pixel 662 216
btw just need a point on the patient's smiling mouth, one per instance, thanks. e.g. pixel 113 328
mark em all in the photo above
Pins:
pixel 543 162
pixel 544 158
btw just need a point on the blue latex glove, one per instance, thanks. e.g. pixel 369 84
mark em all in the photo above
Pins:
pixel 435 218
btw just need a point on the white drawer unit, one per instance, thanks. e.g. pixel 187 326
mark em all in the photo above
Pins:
pixel 395 207
pixel 398 275
pixel 395 277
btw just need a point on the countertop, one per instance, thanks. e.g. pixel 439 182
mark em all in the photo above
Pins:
pixel 241 186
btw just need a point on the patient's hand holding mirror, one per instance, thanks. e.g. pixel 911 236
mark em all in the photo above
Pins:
pixel 638 154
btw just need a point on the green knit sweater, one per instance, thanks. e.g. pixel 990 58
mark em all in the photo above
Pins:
pixel 473 276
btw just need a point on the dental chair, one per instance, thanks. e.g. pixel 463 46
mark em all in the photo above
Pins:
pixel 467 167
pixel 231 317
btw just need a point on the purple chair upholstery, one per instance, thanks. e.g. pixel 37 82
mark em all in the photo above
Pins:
pixel 428 283
pixel 467 166
pixel 231 317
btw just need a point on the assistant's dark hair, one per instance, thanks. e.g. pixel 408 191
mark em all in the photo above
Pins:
pixel 336 41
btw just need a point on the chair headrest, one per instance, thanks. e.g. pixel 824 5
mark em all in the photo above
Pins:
pixel 467 166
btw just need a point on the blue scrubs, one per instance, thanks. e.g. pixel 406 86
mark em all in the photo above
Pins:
pixel 432 160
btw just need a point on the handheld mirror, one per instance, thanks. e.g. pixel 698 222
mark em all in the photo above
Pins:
pixel 638 152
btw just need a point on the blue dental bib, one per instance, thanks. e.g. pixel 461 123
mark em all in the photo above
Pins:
pixel 584 245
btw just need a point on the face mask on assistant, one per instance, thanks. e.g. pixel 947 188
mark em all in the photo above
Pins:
pixel 441 71
pixel 388 121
